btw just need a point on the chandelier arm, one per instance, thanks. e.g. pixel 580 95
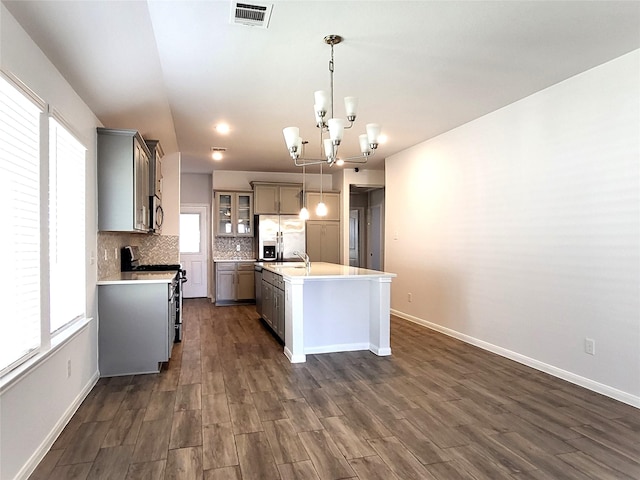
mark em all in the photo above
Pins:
pixel 299 162
pixel 355 159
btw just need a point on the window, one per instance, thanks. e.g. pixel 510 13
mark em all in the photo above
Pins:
pixel 189 233
pixel 20 220
pixel 44 281
pixel 66 227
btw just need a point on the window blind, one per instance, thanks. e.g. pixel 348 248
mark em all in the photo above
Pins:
pixel 66 226
pixel 20 224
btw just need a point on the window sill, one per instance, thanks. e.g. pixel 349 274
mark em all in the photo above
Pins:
pixel 57 341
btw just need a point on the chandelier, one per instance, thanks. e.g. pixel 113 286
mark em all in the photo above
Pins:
pixel 332 126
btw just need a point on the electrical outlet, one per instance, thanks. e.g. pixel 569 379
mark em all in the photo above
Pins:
pixel 410 297
pixel 106 255
pixel 590 346
pixel 115 253
pixel 238 248
pixel 69 368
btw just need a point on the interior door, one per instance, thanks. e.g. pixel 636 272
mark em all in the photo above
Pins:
pixel 354 238
pixel 194 252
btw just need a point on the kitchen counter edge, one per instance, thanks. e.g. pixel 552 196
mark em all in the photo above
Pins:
pixel 323 270
pixel 137 278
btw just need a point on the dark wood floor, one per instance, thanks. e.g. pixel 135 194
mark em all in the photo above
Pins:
pixel 230 406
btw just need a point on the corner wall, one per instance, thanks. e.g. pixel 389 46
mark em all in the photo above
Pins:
pixel 520 231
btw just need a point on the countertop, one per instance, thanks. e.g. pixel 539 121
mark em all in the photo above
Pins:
pixel 218 260
pixel 322 270
pixel 138 277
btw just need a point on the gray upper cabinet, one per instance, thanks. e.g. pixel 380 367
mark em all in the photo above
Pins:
pixel 155 168
pixel 276 198
pixel 123 181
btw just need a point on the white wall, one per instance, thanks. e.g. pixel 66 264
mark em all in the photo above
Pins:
pixel 195 188
pixel 34 408
pixel 520 231
pixel 171 194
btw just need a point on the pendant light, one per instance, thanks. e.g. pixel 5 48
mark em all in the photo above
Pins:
pixel 321 208
pixel 304 213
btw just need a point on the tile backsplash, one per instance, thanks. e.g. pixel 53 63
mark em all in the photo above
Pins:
pixel 227 248
pixel 153 249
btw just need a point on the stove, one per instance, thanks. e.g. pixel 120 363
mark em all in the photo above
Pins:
pixel 129 262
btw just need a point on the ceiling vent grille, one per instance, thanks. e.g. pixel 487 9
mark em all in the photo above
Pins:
pixel 251 14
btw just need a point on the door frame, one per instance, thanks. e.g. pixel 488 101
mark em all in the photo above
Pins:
pixel 208 240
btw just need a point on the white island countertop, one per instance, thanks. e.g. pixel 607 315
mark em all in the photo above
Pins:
pixel 138 277
pixel 322 270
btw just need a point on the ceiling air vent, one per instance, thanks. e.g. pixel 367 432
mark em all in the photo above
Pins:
pixel 251 14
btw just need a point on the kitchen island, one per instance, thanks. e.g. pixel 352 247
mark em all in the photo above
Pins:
pixel 334 308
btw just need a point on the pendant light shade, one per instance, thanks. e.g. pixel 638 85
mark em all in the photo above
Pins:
pixel 321 209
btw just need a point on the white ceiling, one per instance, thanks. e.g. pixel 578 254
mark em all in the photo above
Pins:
pixel 175 69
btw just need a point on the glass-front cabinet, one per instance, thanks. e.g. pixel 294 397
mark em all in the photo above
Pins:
pixel 234 214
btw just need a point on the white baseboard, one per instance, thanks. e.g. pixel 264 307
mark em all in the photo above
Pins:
pixel 29 467
pixel 344 347
pixel 381 352
pixel 294 358
pixel 587 383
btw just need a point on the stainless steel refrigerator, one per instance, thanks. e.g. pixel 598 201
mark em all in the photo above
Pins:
pixel 278 236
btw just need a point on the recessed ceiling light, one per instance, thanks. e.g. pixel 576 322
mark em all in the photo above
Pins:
pixel 222 128
pixel 217 153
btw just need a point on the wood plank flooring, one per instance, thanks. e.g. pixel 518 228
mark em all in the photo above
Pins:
pixel 230 406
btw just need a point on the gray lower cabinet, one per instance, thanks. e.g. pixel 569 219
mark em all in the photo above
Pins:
pixel 234 283
pixel 136 327
pixel 273 302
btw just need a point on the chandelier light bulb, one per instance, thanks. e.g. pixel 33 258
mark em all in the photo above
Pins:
pixel 339 162
pixel 321 210
pixel 373 131
pixel 291 136
pixel 336 130
pixel 322 101
pixel 304 213
pixel 364 144
pixel 351 107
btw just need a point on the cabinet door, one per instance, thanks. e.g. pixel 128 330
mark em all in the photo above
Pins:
pixel 225 285
pixel 138 166
pixel 224 214
pixel 245 286
pixel 290 199
pixel 265 199
pixel 244 214
pixel 314 240
pixel 267 303
pixel 331 200
pixel 279 313
pixel 331 242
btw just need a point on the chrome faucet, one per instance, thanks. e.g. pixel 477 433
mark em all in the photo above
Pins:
pixel 305 258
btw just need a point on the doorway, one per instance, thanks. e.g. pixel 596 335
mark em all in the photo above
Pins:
pixel 194 251
pixel 366 226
